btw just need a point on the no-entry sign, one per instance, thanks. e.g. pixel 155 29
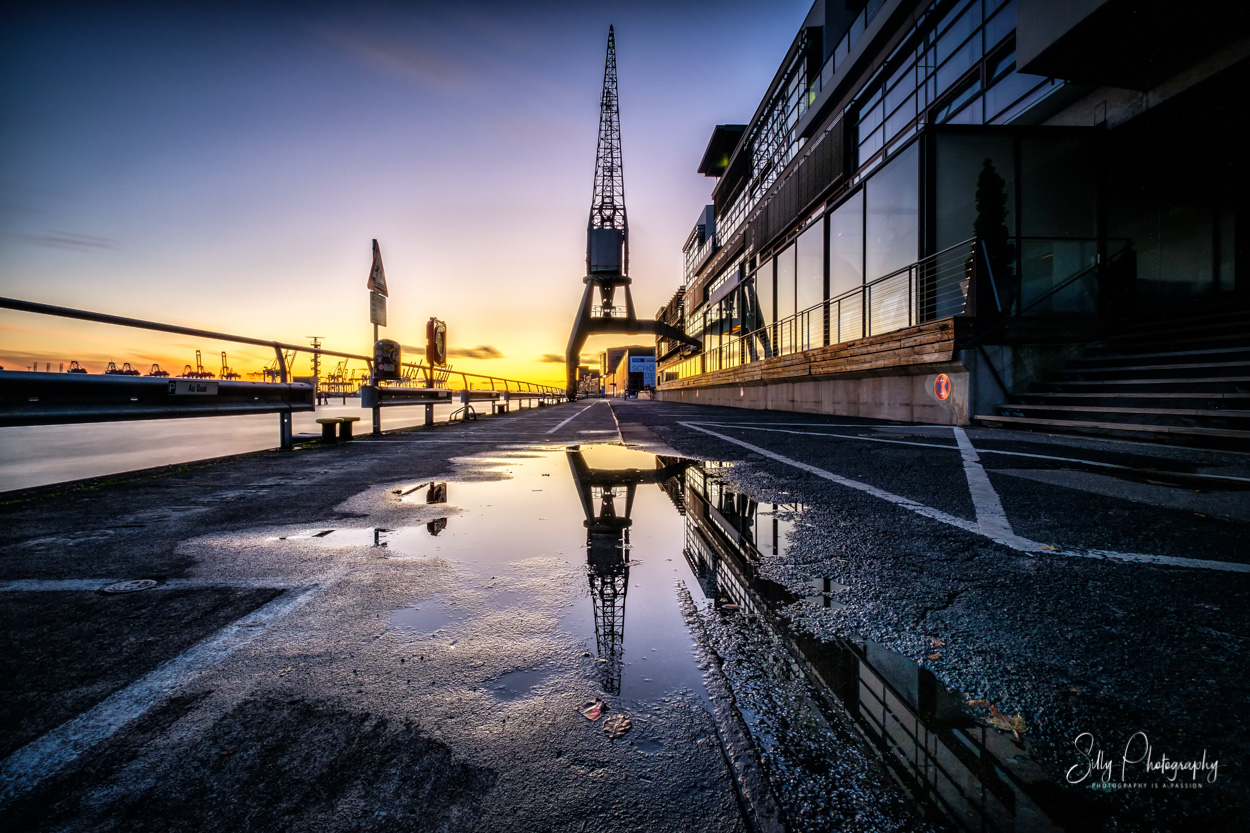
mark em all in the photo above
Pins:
pixel 942 386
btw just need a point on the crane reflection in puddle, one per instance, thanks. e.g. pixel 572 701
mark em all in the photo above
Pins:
pixel 607 525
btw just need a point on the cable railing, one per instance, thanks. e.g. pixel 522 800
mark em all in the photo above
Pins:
pixel 1033 277
pixel 929 289
pixel 47 398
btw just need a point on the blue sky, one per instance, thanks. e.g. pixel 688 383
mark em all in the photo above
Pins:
pixel 228 169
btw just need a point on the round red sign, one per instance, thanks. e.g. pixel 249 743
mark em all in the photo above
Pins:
pixel 942 386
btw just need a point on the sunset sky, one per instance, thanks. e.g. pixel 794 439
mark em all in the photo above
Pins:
pixel 228 169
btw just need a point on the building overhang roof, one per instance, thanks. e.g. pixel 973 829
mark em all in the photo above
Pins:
pixel 720 147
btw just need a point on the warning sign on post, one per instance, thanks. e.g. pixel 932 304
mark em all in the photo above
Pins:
pixel 377 275
pixel 377 309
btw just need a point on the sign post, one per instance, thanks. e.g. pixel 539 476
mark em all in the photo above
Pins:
pixel 435 356
pixel 377 315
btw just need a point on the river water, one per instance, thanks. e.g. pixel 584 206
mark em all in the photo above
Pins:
pixel 37 455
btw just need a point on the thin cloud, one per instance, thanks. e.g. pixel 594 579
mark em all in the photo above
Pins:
pixel 556 358
pixel 71 241
pixel 399 58
pixel 482 351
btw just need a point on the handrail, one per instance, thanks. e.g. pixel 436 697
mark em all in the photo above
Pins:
pixel 863 290
pixel 285 430
pixel 943 284
pixel 1080 274
pixel 139 323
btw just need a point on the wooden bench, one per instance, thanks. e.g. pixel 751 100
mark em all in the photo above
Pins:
pixel 343 425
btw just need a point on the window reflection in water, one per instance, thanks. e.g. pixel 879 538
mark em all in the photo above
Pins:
pixel 961 770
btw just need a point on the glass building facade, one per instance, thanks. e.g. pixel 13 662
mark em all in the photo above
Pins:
pixel 899 143
pixel 954 66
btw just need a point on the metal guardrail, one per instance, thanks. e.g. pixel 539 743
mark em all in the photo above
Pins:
pixel 32 398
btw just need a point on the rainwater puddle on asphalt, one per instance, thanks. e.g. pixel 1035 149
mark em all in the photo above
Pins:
pixel 429 617
pixel 628 525
pixel 517 684
pixel 601 512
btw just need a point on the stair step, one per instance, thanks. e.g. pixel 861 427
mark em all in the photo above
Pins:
pixel 1230 436
pixel 1193 380
pixel 1121 343
pixel 1232 367
pixel 1215 316
pixel 1180 355
pixel 1097 400
pixel 1146 396
pixel 1177 412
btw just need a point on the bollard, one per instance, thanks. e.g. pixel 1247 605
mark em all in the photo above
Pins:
pixel 327 428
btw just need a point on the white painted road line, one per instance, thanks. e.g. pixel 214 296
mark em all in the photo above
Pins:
pixel 990 515
pixel 981 451
pixel 48 755
pixel 576 415
pixel 743 426
pixel 1017 543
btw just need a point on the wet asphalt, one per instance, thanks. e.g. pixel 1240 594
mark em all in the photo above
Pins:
pixel 289 672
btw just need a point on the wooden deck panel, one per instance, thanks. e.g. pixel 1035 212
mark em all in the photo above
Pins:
pixel 928 343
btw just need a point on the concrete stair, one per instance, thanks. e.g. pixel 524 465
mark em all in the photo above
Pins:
pixel 1182 380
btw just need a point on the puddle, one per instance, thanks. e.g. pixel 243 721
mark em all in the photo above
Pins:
pixel 588 542
pixel 517 684
pixel 430 616
pixel 916 726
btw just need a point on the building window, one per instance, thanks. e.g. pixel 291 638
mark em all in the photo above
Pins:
pixel 891 214
pixel 785 300
pixel 810 284
pixel 846 246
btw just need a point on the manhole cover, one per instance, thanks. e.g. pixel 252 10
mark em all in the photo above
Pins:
pixel 131 586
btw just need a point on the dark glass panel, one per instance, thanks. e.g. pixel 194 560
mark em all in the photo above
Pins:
pixel 891 215
pixel 810 280
pixel 1000 25
pixel 846 246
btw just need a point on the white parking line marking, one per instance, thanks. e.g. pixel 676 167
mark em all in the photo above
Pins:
pixel 1017 543
pixel 991 518
pixel 981 451
pixel 833 436
pixel 576 415
pixel 49 754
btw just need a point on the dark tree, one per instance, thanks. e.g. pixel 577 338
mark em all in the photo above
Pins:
pixel 990 228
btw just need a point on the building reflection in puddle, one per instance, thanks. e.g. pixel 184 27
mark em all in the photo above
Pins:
pixel 960 770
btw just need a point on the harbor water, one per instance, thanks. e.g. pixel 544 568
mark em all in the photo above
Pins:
pixel 38 455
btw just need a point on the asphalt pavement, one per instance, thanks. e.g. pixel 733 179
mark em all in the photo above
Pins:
pixel 324 640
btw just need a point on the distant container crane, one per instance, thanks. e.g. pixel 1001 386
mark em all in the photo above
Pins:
pixel 124 370
pixel 199 372
pixel 271 371
pixel 156 370
pixel 226 371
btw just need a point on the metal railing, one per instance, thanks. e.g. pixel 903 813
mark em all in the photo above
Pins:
pixel 932 288
pixel 1037 277
pixel 34 398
